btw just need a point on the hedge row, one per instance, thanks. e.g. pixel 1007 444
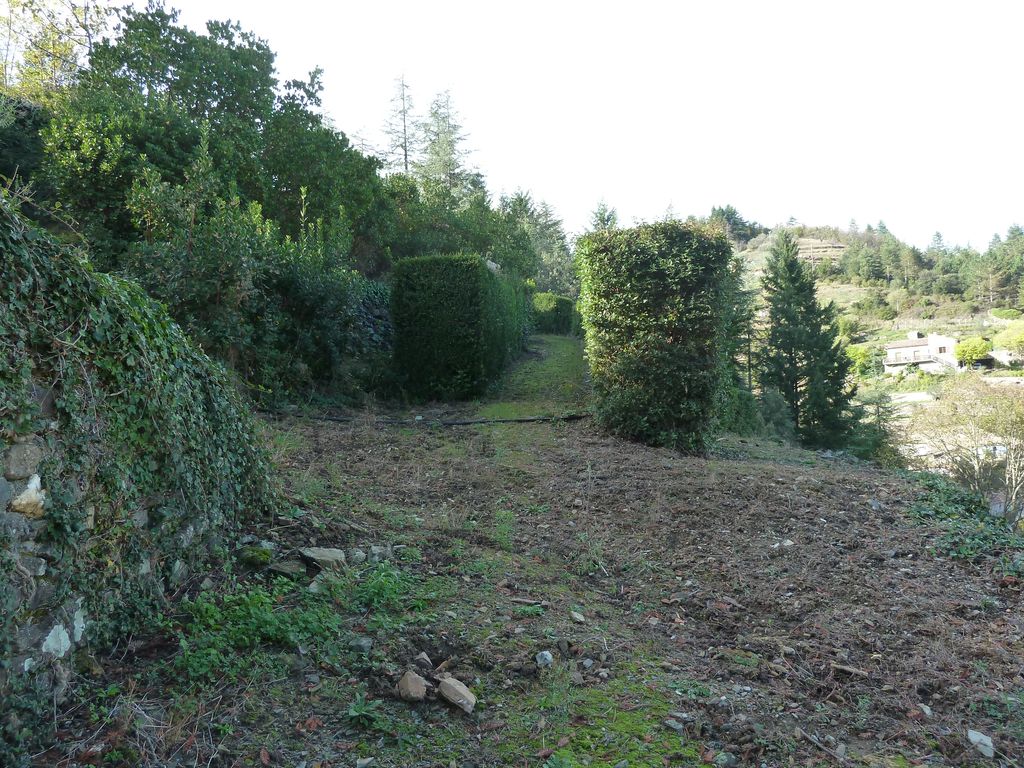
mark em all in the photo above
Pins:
pixel 653 311
pixel 457 324
pixel 554 314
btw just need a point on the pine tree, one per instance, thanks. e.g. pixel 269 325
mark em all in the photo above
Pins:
pixel 442 166
pixel 401 129
pixel 604 217
pixel 800 356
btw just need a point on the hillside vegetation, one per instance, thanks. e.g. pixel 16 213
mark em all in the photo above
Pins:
pixel 764 604
pixel 316 455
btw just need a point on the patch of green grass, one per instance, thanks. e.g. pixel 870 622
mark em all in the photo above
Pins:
pixel 233 634
pixel 528 610
pixel 284 443
pixel 504 526
pixel 621 719
pixel 550 381
pixel 223 634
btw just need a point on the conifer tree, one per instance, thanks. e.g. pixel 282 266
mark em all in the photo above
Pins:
pixel 801 356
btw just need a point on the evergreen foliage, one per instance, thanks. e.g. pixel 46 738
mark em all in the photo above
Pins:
pixel 280 312
pixel 457 324
pixel 801 356
pixel 653 311
pixel 554 314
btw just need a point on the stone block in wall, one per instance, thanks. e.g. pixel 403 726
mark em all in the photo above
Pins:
pixel 22 460
pixel 18 527
pixel 6 493
pixel 32 500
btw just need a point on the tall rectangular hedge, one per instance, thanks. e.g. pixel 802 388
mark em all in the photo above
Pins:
pixel 653 304
pixel 457 324
pixel 554 314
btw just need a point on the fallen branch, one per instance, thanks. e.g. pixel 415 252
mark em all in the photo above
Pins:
pixel 834 755
pixel 849 670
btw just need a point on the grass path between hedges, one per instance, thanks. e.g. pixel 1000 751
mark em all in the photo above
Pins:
pixel 762 606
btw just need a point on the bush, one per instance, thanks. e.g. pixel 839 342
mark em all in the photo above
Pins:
pixel 286 315
pixel 457 324
pixel 1003 313
pixel 653 305
pixel 554 314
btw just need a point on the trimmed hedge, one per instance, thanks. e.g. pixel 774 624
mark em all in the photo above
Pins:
pixel 653 304
pixel 457 324
pixel 554 314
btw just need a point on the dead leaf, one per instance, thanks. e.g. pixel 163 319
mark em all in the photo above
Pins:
pixel 264 756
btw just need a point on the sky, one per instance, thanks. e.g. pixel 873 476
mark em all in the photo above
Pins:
pixel 906 112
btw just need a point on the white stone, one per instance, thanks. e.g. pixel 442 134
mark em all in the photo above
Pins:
pixel 79 625
pixel 58 642
pixel 30 501
pixel 982 743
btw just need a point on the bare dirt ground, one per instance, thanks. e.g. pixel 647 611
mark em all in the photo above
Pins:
pixel 766 606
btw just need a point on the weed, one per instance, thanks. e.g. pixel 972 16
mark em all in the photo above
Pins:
pixel 969 532
pixel 504 525
pixel 528 610
pixel 383 586
pixel 219 634
pixel 365 714
pixel 690 689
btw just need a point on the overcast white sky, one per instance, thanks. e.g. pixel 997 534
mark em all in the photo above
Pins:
pixel 908 112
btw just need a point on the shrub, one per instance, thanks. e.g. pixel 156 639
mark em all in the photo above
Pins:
pixel 457 324
pixel 653 306
pixel 1004 313
pixel 284 314
pixel 554 314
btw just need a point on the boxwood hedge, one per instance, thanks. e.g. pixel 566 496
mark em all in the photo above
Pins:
pixel 653 312
pixel 554 314
pixel 457 324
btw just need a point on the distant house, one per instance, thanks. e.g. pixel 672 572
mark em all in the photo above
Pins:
pixel 932 353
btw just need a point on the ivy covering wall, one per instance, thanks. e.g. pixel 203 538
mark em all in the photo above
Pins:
pixel 127 453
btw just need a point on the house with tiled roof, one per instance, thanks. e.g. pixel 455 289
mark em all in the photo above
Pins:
pixel 933 353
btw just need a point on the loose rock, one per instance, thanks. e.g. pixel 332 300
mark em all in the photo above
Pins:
pixel 289 568
pixel 454 692
pixel 22 461
pixel 982 743
pixel 544 659
pixel 325 557
pixel 412 687
pixel 423 661
pixel 578 617
pixel 362 644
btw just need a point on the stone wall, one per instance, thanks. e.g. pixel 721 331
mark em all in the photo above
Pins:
pixel 47 620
